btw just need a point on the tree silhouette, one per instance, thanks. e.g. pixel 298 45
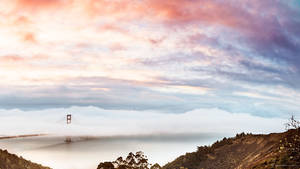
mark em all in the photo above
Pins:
pixel 132 161
pixel 292 123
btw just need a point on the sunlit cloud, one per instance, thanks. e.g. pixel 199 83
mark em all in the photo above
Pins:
pixel 168 56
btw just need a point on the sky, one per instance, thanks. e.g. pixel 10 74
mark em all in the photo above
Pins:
pixel 170 57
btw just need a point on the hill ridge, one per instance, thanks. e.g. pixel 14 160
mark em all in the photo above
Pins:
pixel 12 161
pixel 245 151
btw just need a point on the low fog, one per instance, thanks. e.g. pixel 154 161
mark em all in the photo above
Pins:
pixel 99 122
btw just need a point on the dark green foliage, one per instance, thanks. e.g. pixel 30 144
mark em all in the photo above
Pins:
pixel 106 165
pixel 155 166
pixel 132 161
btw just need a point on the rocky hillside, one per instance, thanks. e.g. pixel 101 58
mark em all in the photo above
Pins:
pixel 245 151
pixel 11 161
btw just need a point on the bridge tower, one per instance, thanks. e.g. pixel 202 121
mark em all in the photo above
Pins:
pixel 69 120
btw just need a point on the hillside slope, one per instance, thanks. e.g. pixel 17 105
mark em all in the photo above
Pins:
pixel 276 150
pixel 11 161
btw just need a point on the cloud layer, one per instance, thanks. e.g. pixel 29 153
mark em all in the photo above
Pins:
pixel 167 56
pixel 100 122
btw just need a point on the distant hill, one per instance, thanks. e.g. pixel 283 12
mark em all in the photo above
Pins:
pixel 245 151
pixel 11 161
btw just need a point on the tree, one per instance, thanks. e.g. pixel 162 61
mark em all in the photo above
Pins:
pixel 106 165
pixel 132 161
pixel 156 166
pixel 292 123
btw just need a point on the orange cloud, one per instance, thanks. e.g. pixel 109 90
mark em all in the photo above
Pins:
pixel 21 20
pixel 112 8
pixel 38 3
pixel 29 37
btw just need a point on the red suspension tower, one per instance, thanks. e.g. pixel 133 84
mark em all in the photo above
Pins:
pixel 69 119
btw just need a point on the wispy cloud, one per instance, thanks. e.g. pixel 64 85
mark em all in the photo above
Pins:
pixel 170 56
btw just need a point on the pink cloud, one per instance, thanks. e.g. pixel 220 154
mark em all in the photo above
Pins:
pixel 171 12
pixel 117 47
pixel 175 11
pixel 182 13
pixel 11 58
pixel 19 59
pixel 113 28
